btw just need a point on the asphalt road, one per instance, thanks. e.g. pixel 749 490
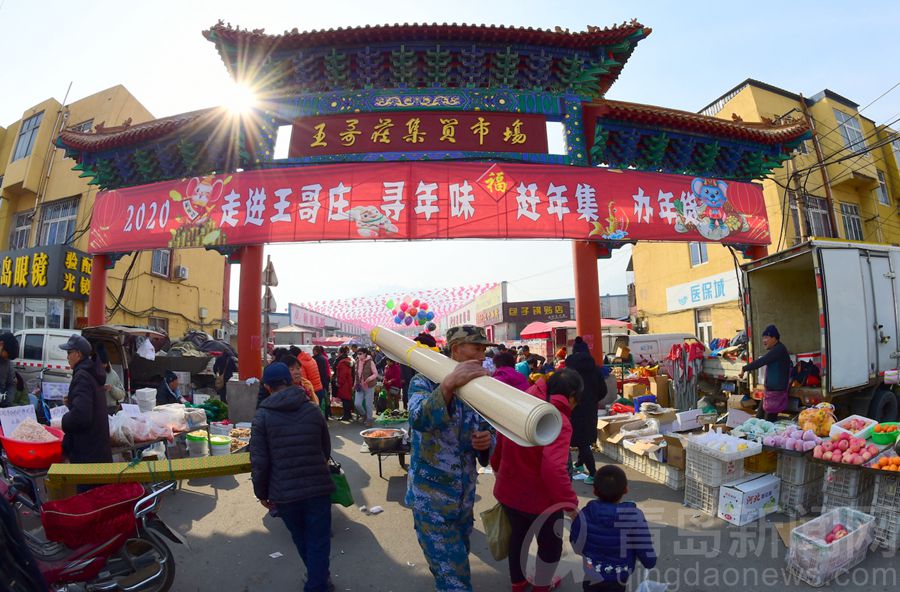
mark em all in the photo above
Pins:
pixel 236 546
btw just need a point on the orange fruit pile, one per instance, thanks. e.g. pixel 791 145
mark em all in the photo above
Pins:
pixel 885 429
pixel 888 464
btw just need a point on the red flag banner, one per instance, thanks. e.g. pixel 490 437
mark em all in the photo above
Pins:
pixel 423 200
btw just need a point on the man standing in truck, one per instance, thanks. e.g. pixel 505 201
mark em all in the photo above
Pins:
pixel 778 374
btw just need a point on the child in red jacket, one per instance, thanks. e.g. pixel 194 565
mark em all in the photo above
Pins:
pixel 611 535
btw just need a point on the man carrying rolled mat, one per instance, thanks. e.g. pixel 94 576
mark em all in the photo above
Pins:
pixel 447 436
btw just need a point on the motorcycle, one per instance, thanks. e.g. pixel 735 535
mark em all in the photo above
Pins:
pixel 135 561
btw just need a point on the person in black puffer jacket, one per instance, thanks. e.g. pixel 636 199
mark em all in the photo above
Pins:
pixel 289 451
pixel 86 425
pixel 584 415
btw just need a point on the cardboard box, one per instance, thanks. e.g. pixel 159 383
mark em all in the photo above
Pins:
pixel 635 424
pixel 631 390
pixel 737 417
pixel 609 426
pixel 659 386
pixel 687 421
pixel 748 499
pixel 675 455
pixel 623 352
pixel 738 402
pixel 653 447
pixel 667 416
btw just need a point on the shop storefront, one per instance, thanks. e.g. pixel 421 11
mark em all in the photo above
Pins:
pixel 43 287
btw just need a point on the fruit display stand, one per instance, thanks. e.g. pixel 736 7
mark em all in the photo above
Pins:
pixel 886 500
pixel 818 554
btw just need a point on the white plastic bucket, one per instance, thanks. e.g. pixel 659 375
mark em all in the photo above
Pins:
pixel 219 445
pixel 145 399
pixel 198 443
pixel 218 428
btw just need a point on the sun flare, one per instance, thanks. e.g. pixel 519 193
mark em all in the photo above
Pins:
pixel 239 99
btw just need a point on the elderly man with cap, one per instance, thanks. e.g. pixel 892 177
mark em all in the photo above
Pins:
pixel 447 436
pixel 289 451
pixel 86 425
pixel 778 374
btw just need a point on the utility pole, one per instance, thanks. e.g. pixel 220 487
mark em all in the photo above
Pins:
pixel 820 161
pixel 270 280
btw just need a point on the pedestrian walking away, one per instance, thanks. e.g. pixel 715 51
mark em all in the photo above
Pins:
pixel 289 451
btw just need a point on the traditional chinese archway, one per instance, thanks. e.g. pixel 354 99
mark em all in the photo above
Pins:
pixel 426 132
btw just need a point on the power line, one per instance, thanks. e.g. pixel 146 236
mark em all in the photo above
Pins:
pixel 858 111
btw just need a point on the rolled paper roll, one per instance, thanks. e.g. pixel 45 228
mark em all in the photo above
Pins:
pixel 523 418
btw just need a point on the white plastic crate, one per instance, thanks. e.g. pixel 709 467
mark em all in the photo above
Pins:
pixel 800 500
pixel 846 482
pixel 671 477
pixel 752 448
pixel 611 451
pixel 887 527
pixel 712 471
pixel 861 501
pixel 798 470
pixel 887 491
pixel 816 562
pixel 701 496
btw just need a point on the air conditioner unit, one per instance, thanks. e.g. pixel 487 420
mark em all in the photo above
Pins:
pixel 219 334
pixel 181 272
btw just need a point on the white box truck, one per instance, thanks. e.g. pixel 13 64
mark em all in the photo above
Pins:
pixel 836 303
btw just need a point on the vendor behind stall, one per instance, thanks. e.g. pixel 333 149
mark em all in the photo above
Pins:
pixel 778 374
pixel 9 351
pixel 167 392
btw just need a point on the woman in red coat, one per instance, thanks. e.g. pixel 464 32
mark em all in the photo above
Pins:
pixel 533 485
pixel 343 377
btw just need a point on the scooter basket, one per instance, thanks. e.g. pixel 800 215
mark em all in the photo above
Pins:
pixel 92 517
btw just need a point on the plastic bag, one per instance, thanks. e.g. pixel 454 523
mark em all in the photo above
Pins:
pixel 159 425
pixel 651 586
pixel 145 349
pixel 497 531
pixel 120 433
pixel 171 415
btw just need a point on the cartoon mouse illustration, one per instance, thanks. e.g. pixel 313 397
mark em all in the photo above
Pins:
pixel 714 194
pixel 202 195
pixel 370 221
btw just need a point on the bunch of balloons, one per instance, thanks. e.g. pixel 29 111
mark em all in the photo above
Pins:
pixel 411 311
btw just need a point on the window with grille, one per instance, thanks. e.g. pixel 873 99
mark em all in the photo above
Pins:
pixel 852 221
pixel 159 324
pixel 162 262
pixel 817 216
pixel 703 323
pixel 27 136
pixel 58 222
pixel 850 131
pixel 699 255
pixel 21 231
pixel 795 216
pixel 884 198
pixel 84 126
pixel 895 145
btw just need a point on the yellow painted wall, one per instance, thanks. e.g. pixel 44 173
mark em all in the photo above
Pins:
pixel 46 175
pixel 658 266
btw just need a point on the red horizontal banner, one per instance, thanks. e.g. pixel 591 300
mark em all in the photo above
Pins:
pixel 419 131
pixel 421 200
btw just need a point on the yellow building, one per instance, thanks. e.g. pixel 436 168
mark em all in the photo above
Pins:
pixel 45 214
pixel 854 196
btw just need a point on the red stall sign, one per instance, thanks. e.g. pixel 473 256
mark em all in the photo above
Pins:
pixel 419 131
pixel 421 200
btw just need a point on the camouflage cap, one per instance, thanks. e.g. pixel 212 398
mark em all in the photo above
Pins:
pixel 467 334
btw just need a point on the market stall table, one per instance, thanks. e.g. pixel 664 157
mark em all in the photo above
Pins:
pixel 400 452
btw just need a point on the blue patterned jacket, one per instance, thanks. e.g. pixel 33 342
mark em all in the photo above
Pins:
pixel 442 465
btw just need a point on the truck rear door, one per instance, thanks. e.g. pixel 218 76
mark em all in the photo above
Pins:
pixel 883 331
pixel 846 326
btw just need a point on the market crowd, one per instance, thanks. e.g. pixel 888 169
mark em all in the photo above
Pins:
pixel 290 451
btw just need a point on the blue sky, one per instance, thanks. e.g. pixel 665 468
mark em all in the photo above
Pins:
pixel 697 52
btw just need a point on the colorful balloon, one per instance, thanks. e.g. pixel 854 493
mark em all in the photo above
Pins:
pixel 423 305
pixel 422 321
pixel 429 315
pixel 422 314
pixel 412 311
pixel 415 302
pixel 430 327
pixel 404 305
pixel 390 304
pixel 398 320
pixel 407 321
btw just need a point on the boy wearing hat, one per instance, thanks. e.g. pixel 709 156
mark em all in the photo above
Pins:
pixel 86 425
pixel 778 374
pixel 289 451
pixel 446 437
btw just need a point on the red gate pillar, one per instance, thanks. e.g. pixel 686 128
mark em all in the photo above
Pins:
pixel 250 313
pixel 96 313
pixel 587 295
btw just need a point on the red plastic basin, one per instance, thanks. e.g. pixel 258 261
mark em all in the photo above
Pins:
pixel 34 455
